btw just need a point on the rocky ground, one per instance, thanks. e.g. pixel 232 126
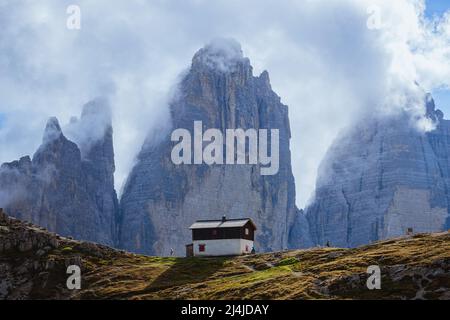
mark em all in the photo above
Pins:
pixel 33 264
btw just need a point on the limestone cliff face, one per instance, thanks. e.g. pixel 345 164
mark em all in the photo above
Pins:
pixel 64 189
pixel 161 199
pixel 381 178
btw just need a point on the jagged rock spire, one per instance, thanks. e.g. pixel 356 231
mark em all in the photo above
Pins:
pixel 161 200
pixel 52 130
pixel 63 191
pixel 224 55
pixel 93 127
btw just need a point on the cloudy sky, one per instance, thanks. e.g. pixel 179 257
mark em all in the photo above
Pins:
pixel 329 60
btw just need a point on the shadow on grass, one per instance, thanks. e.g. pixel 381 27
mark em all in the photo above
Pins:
pixel 187 271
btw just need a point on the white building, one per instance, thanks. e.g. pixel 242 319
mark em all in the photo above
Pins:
pixel 222 237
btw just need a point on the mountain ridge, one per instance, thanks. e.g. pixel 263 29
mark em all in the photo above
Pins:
pixel 379 180
pixel 382 179
pixel 68 187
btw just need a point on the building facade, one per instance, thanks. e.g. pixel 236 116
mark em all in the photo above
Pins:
pixel 222 237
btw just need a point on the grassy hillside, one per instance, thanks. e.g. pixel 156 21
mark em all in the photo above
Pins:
pixel 412 267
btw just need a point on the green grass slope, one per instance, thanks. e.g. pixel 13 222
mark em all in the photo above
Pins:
pixel 415 267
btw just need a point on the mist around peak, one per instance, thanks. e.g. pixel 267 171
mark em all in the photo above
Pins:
pixel 222 54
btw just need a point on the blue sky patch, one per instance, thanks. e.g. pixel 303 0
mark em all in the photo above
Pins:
pixel 442 100
pixel 441 96
pixel 436 7
pixel 2 120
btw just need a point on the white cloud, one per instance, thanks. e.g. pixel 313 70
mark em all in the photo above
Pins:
pixel 323 61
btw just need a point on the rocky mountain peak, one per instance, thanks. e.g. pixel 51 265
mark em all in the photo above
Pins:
pixel 223 55
pixel 62 190
pixel 52 130
pixel 382 179
pixel 264 79
pixel 431 110
pixel 161 199
pixel 94 126
pixel 99 109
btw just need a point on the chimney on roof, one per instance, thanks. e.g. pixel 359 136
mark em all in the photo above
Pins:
pixel 224 218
